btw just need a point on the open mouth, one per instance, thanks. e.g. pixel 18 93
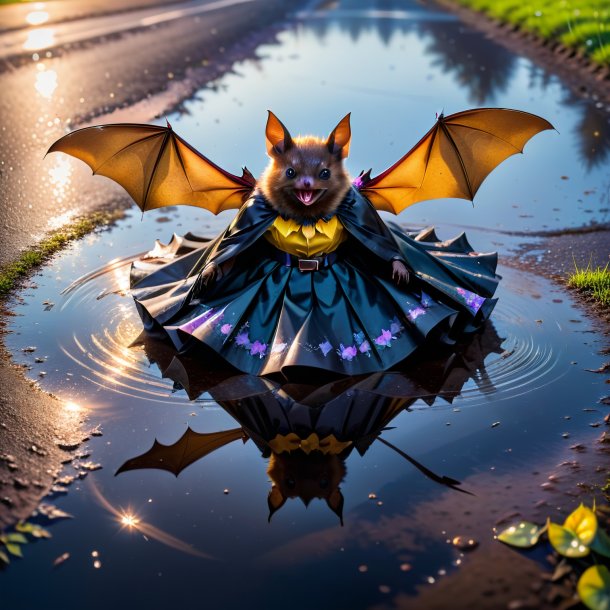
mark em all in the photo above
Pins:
pixel 308 197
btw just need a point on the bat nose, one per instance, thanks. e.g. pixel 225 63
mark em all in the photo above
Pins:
pixel 305 183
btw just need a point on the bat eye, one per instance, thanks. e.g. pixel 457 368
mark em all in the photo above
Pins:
pixel 290 173
pixel 323 483
pixel 325 174
pixel 290 482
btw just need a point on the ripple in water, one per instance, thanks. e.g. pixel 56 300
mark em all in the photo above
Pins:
pixel 102 348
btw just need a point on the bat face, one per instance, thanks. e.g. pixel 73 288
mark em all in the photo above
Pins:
pixel 305 181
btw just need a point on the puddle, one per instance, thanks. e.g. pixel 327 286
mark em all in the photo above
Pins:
pixel 491 414
pixel 490 411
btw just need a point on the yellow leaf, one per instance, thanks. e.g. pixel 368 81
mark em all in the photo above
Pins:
pixel 523 535
pixel 14 549
pixel 594 588
pixel 583 523
pixel 566 542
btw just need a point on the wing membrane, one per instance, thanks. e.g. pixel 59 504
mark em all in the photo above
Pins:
pixel 156 167
pixel 189 448
pixel 454 157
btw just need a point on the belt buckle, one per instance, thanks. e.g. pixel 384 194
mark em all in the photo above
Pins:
pixel 308 264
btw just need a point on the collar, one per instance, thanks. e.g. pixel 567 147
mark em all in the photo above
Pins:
pixel 291 442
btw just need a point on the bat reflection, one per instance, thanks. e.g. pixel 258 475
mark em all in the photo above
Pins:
pixel 308 431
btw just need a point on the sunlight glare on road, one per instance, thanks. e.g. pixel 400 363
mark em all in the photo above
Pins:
pixel 72 407
pixel 40 38
pixel 37 17
pixel 46 81
pixel 59 176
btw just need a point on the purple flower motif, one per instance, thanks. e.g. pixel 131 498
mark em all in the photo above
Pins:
pixel 325 347
pixel 415 313
pixel 365 348
pixel 359 337
pixel 258 348
pixel 426 300
pixel 358 182
pixel 347 353
pixel 243 339
pixel 225 329
pixel 384 339
pixel 473 300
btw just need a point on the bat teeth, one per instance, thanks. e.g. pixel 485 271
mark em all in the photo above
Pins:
pixel 305 196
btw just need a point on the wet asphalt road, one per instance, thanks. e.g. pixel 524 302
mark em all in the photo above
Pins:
pixel 147 67
pixel 46 93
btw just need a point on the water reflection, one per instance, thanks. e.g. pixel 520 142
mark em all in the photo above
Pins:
pixel 308 431
pixel 479 66
pixel 128 520
pixel 592 131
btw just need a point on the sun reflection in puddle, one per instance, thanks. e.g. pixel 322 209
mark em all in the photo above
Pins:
pixel 129 520
pixel 40 38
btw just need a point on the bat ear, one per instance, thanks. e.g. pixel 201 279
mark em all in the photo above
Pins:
pixel 275 501
pixel 339 139
pixel 278 137
pixel 335 503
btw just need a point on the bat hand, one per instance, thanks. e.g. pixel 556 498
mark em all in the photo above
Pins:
pixel 400 274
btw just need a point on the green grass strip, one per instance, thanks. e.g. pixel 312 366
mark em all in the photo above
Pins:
pixel 580 24
pixel 593 282
pixel 13 273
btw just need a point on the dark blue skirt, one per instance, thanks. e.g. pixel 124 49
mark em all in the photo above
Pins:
pixel 350 318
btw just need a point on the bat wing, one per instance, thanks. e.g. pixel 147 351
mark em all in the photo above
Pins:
pixel 453 158
pixel 156 166
pixel 191 447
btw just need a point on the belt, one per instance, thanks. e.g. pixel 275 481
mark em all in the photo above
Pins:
pixel 314 263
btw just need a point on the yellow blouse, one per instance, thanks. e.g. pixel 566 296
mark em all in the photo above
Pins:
pixel 306 240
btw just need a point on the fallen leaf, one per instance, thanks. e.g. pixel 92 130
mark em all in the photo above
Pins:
pixel 14 549
pixel 594 588
pixel 523 535
pixel 566 542
pixel 583 523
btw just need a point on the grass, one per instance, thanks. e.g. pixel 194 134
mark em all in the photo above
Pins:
pixel 14 272
pixel 593 282
pixel 580 24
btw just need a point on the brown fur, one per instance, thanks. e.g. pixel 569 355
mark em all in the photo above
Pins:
pixel 308 156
